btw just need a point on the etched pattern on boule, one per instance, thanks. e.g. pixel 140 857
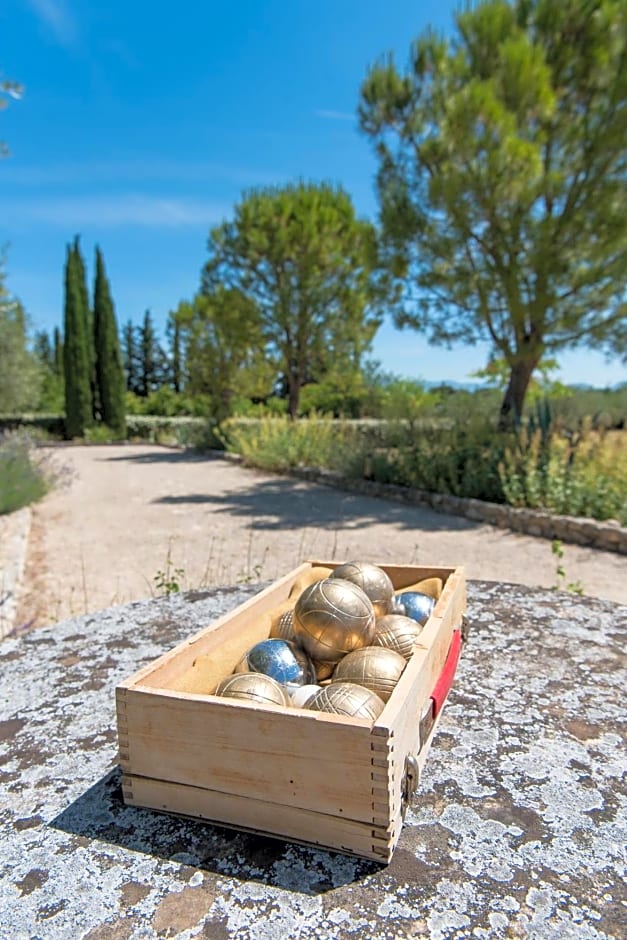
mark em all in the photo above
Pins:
pixel 373 667
pixel 397 632
pixel 283 628
pixel 255 687
pixel 347 698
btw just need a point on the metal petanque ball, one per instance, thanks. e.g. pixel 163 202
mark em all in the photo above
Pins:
pixel 373 667
pixel 372 580
pixel 281 660
pixel 416 605
pixel 347 698
pixel 333 617
pixel 397 632
pixel 283 628
pixel 254 687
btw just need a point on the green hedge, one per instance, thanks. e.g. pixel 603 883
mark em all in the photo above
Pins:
pixel 52 424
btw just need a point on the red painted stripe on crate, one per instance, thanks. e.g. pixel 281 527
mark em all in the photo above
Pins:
pixel 444 683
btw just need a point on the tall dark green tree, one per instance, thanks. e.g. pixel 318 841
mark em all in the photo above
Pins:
pixel 89 325
pixel 78 396
pixel 305 262
pixel 130 357
pixel 109 369
pixel 173 334
pixel 151 358
pixel 502 180
pixel 58 352
pixel 42 347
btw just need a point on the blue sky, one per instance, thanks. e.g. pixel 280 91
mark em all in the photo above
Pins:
pixel 142 124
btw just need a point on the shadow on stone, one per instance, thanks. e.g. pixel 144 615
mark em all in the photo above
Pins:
pixel 101 814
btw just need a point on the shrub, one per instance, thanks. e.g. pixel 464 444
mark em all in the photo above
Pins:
pixel 160 429
pixel 51 424
pixel 279 443
pixel 461 459
pixel 576 474
pixel 23 479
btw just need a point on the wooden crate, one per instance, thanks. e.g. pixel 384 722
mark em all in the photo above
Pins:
pixel 340 783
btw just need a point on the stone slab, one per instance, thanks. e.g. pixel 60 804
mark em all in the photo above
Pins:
pixel 518 828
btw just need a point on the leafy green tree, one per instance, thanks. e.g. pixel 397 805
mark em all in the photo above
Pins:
pixel 110 379
pixel 19 370
pixel 224 349
pixel 8 89
pixel 51 396
pixel 305 262
pixel 76 359
pixel 502 167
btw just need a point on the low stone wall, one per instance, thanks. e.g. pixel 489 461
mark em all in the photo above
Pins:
pixel 609 536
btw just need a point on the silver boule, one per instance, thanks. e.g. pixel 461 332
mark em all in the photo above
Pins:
pixel 281 660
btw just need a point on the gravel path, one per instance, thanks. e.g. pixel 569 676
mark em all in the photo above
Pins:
pixel 127 520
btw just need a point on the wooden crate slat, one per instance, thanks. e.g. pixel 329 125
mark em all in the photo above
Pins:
pixel 291 757
pixel 260 816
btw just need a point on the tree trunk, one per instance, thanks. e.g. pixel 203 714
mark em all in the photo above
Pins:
pixel 293 397
pixel 512 406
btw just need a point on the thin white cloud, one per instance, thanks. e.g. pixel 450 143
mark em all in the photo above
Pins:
pixel 58 18
pixel 133 170
pixel 335 115
pixel 114 212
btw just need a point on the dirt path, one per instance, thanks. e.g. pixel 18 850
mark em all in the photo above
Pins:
pixel 128 520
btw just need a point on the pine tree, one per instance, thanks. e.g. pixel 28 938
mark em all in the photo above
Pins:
pixel 110 379
pixel 130 357
pixel 151 359
pixel 78 399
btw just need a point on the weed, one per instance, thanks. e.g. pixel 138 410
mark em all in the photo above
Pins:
pixel 168 580
pixel 575 587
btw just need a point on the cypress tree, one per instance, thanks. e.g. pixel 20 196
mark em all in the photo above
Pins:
pixel 58 352
pixel 78 399
pixel 110 378
pixel 89 326
pixel 173 332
